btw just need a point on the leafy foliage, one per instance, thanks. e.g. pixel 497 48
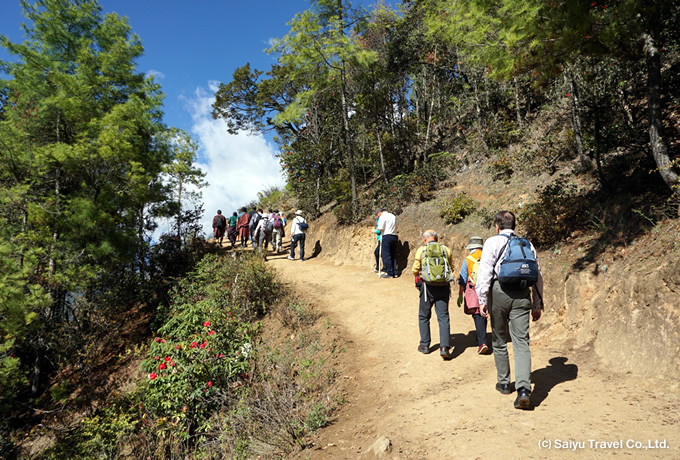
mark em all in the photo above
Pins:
pixel 457 208
pixel 558 211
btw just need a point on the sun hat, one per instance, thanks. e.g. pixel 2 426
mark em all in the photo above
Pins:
pixel 475 242
pixel 298 212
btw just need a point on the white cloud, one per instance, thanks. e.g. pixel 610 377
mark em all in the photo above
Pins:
pixel 237 166
pixel 156 74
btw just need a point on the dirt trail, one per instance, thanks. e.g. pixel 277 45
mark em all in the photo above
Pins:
pixel 432 409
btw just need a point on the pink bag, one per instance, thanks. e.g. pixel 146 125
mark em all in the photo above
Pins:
pixel 471 301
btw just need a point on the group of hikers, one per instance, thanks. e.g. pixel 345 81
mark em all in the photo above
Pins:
pixel 260 228
pixel 499 279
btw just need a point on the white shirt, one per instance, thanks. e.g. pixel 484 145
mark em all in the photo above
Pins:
pixel 295 229
pixel 488 271
pixel 387 223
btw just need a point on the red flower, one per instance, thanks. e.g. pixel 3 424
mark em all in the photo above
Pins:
pixel 178 347
pixel 162 366
pixel 201 345
pixel 158 339
pixel 193 345
pixel 206 324
pixel 156 358
pixel 152 376
pixel 568 94
pixel 172 364
pixel 244 376
pixel 211 332
pixel 167 358
pixel 162 340
pixel 209 384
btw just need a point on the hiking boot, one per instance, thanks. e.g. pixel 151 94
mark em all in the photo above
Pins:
pixel 385 275
pixel 423 349
pixel 522 401
pixel 445 353
pixel 483 349
pixel 503 388
pixel 290 258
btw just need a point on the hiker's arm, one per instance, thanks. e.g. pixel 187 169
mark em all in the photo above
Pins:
pixel 416 262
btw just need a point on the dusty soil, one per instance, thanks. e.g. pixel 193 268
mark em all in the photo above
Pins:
pixel 434 409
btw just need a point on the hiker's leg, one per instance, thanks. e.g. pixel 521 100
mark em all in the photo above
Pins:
pixel 293 245
pixel 519 333
pixel 441 307
pixel 393 255
pixel 302 246
pixel 480 328
pixel 377 256
pixel 385 255
pixel 424 314
pixel 499 306
pixel 389 243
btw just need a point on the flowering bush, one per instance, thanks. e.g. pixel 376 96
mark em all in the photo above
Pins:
pixel 205 345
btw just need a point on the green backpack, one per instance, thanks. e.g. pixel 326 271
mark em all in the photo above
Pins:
pixel 435 265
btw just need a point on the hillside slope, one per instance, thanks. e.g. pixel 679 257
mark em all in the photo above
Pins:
pixel 618 295
pixel 426 408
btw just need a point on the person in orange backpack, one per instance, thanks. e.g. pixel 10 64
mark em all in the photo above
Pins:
pixel 467 294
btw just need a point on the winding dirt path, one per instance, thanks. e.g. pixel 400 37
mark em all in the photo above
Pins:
pixel 434 409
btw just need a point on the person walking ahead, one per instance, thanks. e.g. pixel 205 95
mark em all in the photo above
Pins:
pixel 433 272
pixel 509 310
pixel 219 224
pixel 387 225
pixel 242 226
pixel 297 235
pixel 475 246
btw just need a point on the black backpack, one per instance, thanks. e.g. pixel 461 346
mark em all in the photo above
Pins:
pixel 220 222
pixel 254 221
pixel 268 227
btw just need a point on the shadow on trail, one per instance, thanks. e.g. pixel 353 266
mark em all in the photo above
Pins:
pixel 550 376
pixel 461 342
pixel 317 249
pixel 403 250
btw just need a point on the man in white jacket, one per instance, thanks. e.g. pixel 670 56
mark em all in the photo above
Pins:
pixel 297 235
pixel 509 310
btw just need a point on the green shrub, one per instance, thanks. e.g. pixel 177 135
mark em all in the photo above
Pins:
pixel 455 209
pixel 558 211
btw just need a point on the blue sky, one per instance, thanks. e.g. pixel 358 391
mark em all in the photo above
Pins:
pixel 191 46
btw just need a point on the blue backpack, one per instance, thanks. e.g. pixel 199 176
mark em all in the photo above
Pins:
pixel 518 269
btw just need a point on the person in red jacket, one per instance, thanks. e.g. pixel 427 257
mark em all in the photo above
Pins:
pixel 219 225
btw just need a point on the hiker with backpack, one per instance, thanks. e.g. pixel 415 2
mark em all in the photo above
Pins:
pixel 467 295
pixel 509 274
pixel 219 224
pixel 387 225
pixel 242 226
pixel 232 232
pixel 252 226
pixel 279 224
pixel 297 235
pixel 433 272
pixel 263 234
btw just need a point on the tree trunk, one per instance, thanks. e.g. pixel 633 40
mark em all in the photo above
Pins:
pixel 654 114
pixel 179 213
pixel 378 136
pixel 517 101
pixel 345 120
pixel 576 121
